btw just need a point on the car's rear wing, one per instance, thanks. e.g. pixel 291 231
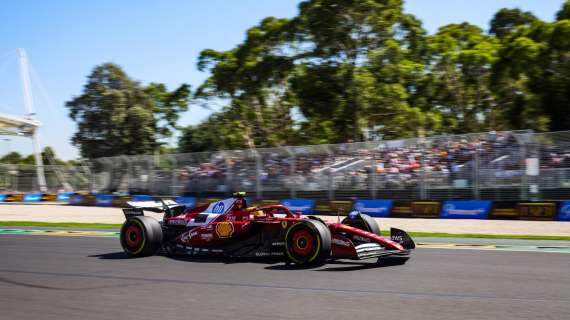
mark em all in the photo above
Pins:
pixel 137 208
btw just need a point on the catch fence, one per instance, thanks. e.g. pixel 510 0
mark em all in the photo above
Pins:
pixel 518 165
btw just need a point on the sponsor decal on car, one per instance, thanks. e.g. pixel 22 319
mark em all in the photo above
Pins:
pixel 267 254
pixel 185 237
pixel 177 222
pixel 218 208
pixel 284 224
pixel 224 229
pixel 360 239
pixel 207 237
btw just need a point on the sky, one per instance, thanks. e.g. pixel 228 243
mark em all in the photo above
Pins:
pixel 154 41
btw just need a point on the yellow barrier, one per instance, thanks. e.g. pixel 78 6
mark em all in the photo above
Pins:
pixel 340 207
pixel 17 197
pixel 49 197
pixel 269 202
pixel 401 212
pixel 536 210
pixel 425 209
pixel 120 201
pixel 504 213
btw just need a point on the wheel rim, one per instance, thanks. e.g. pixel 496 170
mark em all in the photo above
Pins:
pixel 303 243
pixel 133 237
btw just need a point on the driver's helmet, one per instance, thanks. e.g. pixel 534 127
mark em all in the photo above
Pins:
pixel 353 214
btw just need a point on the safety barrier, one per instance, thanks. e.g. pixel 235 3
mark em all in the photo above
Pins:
pixel 466 209
pixel 31 197
pixel 305 206
pixel 450 209
pixel 564 212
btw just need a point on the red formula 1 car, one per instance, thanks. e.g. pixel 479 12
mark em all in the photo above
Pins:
pixel 229 228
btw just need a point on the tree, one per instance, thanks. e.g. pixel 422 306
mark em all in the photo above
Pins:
pixel 12 158
pixel 356 66
pixel 536 62
pixel 341 35
pixel 167 107
pixel 461 59
pixel 564 13
pixel 48 156
pixel 253 77
pixel 117 115
pixel 506 20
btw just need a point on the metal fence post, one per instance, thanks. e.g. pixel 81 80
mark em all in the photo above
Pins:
pixel 128 166
pixel 229 182
pixel 152 168
pixel 174 177
pixel 293 174
pixel 422 183
pixel 476 165
pixel 258 169
pixel 524 178
pixel 330 176
pixel 372 178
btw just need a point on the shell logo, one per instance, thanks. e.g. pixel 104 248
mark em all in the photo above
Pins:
pixel 224 229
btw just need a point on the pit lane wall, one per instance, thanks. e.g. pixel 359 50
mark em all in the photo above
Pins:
pixel 380 208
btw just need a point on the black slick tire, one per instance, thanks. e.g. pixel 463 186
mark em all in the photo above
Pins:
pixel 308 243
pixel 141 236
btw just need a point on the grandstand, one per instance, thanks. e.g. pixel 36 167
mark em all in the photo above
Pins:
pixel 493 165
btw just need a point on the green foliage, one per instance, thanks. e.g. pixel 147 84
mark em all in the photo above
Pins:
pixel 507 20
pixel 116 115
pixel 564 13
pixel 13 158
pixel 339 71
pixel 48 157
pixel 533 72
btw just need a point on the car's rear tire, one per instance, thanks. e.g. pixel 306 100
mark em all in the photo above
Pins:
pixel 141 236
pixel 363 222
pixel 308 243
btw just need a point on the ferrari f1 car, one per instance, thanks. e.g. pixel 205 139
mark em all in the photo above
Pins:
pixel 228 228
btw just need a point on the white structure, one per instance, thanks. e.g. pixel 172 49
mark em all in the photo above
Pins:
pixel 26 125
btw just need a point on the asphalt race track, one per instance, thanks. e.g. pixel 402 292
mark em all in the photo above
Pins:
pixel 52 277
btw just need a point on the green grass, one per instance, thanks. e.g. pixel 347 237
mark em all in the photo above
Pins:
pixel 412 233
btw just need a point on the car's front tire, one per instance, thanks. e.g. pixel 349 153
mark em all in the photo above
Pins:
pixel 141 236
pixel 308 243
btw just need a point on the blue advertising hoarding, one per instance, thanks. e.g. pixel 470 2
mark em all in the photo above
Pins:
pixel 141 197
pixel 75 199
pixel 64 196
pixel 32 197
pixel 3 197
pixel 189 202
pixel 465 209
pixel 374 208
pixel 305 206
pixel 104 200
pixel 564 212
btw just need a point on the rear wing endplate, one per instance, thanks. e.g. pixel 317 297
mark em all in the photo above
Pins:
pixel 137 208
